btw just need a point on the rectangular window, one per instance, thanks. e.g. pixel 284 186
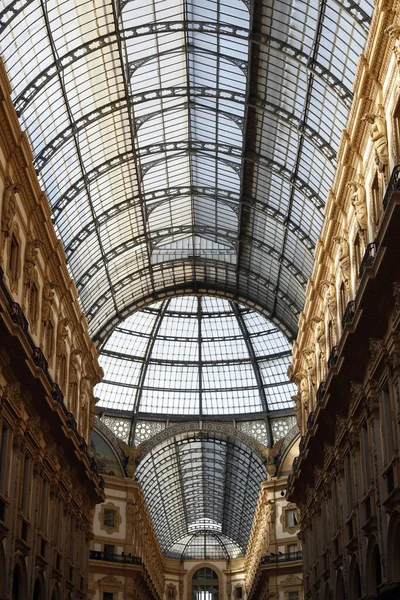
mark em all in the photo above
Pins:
pixel 292 548
pixel 349 483
pixel 109 517
pixel 293 596
pixel 44 506
pixel 366 458
pixel 26 485
pixel 387 425
pixel 108 596
pixel 108 550
pixel 13 258
pixel 291 518
pixel 4 446
pixel 239 592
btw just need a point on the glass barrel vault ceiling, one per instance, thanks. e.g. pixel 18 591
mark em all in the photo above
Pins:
pixel 202 491
pixel 196 356
pixel 185 145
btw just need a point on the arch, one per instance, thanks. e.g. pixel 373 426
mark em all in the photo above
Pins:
pixel 197 567
pixel 355 590
pixel 223 429
pixel 188 289
pixel 393 547
pixel 39 590
pixel 56 594
pixel 340 588
pixel 19 581
pixel 373 567
pixel 3 572
pixel 205 579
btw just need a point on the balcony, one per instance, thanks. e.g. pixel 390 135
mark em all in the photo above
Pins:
pixel 281 558
pixel 394 185
pixel 349 313
pixel 115 558
pixel 368 259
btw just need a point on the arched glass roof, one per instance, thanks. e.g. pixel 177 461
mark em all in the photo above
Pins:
pixel 185 144
pixel 196 356
pixel 201 489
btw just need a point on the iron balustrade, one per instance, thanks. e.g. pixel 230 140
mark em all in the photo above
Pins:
pixel 281 557
pixel 368 258
pixel 116 558
pixel 349 313
pixel 333 357
pixel 393 186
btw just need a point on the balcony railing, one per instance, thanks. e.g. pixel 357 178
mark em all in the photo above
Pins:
pixel 281 557
pixel 368 258
pixel 116 558
pixel 394 185
pixel 349 313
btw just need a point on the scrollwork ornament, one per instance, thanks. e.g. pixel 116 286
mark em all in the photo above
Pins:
pixel 396 296
pixel 375 348
pixel 356 389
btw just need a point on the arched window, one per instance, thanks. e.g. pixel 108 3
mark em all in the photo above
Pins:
pixel 355 581
pixel 205 585
pixel 374 571
pixel 393 553
pixel 38 593
pixel 19 582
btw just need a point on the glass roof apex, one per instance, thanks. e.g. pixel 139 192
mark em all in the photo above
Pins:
pixel 195 356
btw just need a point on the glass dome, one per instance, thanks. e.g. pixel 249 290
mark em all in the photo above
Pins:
pixel 196 356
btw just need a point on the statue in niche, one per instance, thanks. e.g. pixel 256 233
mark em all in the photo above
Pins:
pixel 304 393
pixel 328 291
pixel 298 411
pixel 358 200
pixel 311 373
pixel 270 522
pixel 320 346
pixel 344 260
pixel 62 334
pixel 31 256
pixel 47 301
pixel 9 207
pixel 379 139
pixel 74 369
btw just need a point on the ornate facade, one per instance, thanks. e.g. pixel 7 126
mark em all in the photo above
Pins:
pixel 346 479
pixel 126 560
pixel 48 366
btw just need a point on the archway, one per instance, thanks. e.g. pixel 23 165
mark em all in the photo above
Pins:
pixel 39 589
pixel 355 591
pixel 205 584
pixel 3 573
pixel 19 582
pixel 393 547
pixel 373 567
pixel 340 589
pixel 56 593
